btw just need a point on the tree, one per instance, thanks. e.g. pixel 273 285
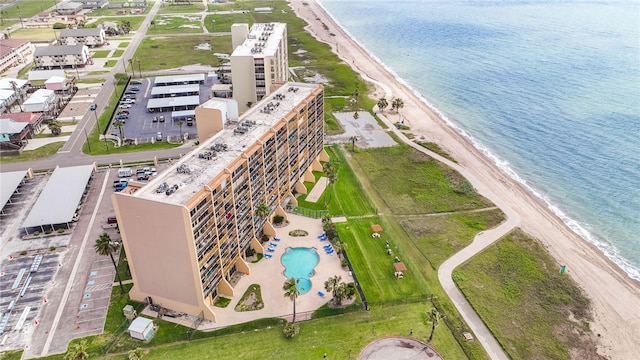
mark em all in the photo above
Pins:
pixel 105 246
pixel 339 246
pixel 59 25
pixel 262 211
pixel 180 123
pixel 433 316
pixel 119 125
pixel 332 285
pixel 291 291
pixel 55 128
pixel 249 103
pixel 77 351
pixel 290 330
pixel 136 354
pixel 332 176
pixel 397 104
pixel 353 140
pixel 125 27
pixel 382 104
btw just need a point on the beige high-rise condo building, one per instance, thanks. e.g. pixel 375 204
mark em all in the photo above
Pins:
pixel 259 61
pixel 186 233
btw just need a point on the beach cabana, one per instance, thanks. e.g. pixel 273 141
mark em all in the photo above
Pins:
pixel 399 266
pixel 376 228
pixel 141 328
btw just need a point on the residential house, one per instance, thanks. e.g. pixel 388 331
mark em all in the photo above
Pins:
pixel 14 52
pixel 40 101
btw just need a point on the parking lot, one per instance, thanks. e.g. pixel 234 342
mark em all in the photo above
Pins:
pixel 140 125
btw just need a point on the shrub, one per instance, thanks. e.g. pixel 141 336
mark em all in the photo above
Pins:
pixel 60 231
pixel 52 248
pixel 23 252
pixel 59 26
pixel 250 252
pixel 222 302
pixel 47 232
pixel 36 233
pixel 278 219
pixel 290 330
pixel 345 263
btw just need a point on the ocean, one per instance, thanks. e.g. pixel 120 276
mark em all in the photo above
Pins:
pixel 549 90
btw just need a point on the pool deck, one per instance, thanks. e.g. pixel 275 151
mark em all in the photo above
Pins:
pixel 269 274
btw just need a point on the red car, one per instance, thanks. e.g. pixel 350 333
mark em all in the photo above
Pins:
pixel 123 111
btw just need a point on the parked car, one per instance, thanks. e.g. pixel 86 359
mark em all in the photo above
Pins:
pixel 129 101
pixel 155 119
pixel 125 106
pixel 161 118
pixel 159 136
pixel 123 111
pixel 142 176
pixel 122 117
pixel 134 88
pixel 189 121
pixel 93 107
pixel 130 96
pixel 112 220
pixel 135 82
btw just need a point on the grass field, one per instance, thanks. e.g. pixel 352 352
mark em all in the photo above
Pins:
pixel 26 8
pixel 36 154
pixel 36 34
pixel 110 63
pixel 123 44
pixel 158 53
pixel 223 22
pixel 114 12
pixel 534 311
pixel 176 24
pixel 194 7
pixel 135 21
pixel 99 54
pixel 117 53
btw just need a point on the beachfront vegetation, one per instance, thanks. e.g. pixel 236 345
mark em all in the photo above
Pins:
pixel 158 53
pixel 175 24
pixel 534 311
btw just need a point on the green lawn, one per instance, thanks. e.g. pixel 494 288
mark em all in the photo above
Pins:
pixel 114 12
pixel 135 21
pixel 110 63
pixel 194 7
pixel 123 44
pixel 517 290
pixel 36 34
pixel 25 8
pixel 98 54
pixel 30 155
pixel 176 24
pixel 118 53
pixel 426 186
pixel 223 22
pixel 158 53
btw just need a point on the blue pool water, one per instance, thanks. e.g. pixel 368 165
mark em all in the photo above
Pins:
pixel 299 263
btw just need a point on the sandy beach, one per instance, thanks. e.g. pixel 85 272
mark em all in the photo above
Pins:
pixel 615 297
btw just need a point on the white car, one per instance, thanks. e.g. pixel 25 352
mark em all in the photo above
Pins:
pixel 129 101
pixel 125 106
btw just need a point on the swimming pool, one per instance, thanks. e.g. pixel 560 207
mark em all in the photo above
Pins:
pixel 299 263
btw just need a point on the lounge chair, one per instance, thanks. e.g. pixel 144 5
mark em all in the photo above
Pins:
pixel 329 252
pixel 268 256
pixel 321 236
pixel 273 244
pixel 320 293
pixel 270 249
pixel 276 238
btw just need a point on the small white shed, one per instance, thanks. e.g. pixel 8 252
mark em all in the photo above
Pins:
pixel 141 328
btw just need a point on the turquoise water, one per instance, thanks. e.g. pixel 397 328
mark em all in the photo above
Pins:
pixel 299 264
pixel 548 90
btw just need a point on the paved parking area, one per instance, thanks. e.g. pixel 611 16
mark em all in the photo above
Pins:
pixel 140 123
pixel 366 129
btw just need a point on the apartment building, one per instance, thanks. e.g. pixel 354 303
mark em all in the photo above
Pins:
pixel 186 233
pixel 59 57
pixel 14 52
pixel 90 37
pixel 259 61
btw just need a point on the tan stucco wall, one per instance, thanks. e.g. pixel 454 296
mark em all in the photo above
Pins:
pixel 209 122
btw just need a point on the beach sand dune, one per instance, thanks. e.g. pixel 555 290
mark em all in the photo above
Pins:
pixel 615 297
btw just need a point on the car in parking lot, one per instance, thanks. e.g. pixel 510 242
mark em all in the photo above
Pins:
pixel 92 107
pixel 155 119
pixel 122 117
pixel 123 111
pixel 161 118
pixel 134 88
pixel 159 136
pixel 125 106
pixel 135 82
pixel 129 101
pixel 130 96
pixel 189 121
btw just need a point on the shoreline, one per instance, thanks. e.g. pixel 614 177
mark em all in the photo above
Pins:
pixel 615 297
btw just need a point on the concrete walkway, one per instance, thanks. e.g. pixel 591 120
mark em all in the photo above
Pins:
pixel 318 189
pixel 37 143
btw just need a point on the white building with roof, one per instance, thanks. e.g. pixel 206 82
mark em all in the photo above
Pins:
pixel 92 37
pixel 50 57
pixel 39 101
pixel 259 61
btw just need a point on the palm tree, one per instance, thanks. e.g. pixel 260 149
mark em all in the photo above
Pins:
pixel 119 124
pixel 434 317
pixel 77 351
pixel 55 128
pixel 105 246
pixel 332 176
pixel 339 246
pixel 397 104
pixel 353 140
pixel 333 286
pixel 382 104
pixel 180 123
pixel 291 291
pixel 249 103
pixel 262 211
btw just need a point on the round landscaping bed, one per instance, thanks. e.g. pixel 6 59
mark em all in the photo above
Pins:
pixel 398 347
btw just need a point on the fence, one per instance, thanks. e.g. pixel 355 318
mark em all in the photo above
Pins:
pixel 355 279
pixel 316 214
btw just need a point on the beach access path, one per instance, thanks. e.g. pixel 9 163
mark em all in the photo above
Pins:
pixel 615 297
